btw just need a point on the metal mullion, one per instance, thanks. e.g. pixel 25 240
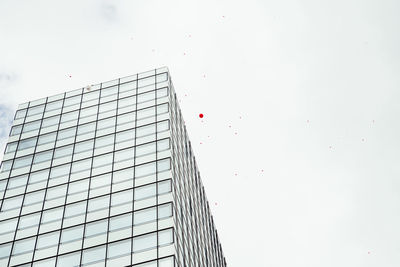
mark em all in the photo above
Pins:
pixel 90 175
pixel 69 175
pixel 112 173
pixel 134 168
pixel 156 122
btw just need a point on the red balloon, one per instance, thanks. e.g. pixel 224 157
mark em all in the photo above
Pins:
pixel 201 115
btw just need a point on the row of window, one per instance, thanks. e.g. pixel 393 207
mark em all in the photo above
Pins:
pixel 90 98
pixel 52 138
pixel 47 246
pixel 100 184
pixel 90 114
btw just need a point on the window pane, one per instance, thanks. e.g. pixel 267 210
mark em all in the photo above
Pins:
pixel 31 126
pixel 23 246
pixel 16 130
pixel 146 130
pixel 48 240
pixel 20 113
pixel 35 110
pixel 12 203
pixel 70 116
pixel 163 165
pixel 72 234
pixel 144 242
pixel 94 255
pixel 29 221
pixel 11 147
pixel 63 151
pixel 54 105
pixel 43 156
pixel 72 100
pixel 50 121
pixel 96 228
pixel 66 133
pixel 119 248
pixel 52 215
pixel 38 176
pixel 69 260
pixel 145 169
pixel 164 187
pixel 26 143
pixel 165 237
pixel 146 215
pixel 145 191
pixel 120 222
pixel 22 162
pixel 145 149
pixel 98 203
pixel 121 197
pixel 5 250
pixel 47 138
pixel 34 197
pixel 75 209
pixel 60 171
pixel 165 211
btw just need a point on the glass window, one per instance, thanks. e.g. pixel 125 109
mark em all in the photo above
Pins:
pixel 102 160
pixel 146 113
pixel 70 116
pixel 72 100
pixel 146 81
pixel 90 96
pixel 125 136
pixel 145 169
pixel 144 216
pixel 165 237
pixel 145 191
pixel 84 146
pixel 96 228
pixel 6 165
pixel 94 255
pixel 162 77
pixel 120 248
pixel 9 225
pixel 20 113
pixel 127 86
pixel 75 209
pixel 81 165
pixel 34 197
pixel 127 101
pixel 63 151
pixel 161 109
pixel 38 176
pixel 78 186
pixel 54 105
pixel 72 234
pixel 165 262
pixel 12 203
pixel 86 128
pixel 47 138
pixel 47 240
pixel 125 118
pixel 100 181
pixel 29 221
pixel 162 92
pixel 69 260
pixel 146 130
pixel 163 126
pixel 121 197
pixel 52 215
pixel 5 250
pixel 27 143
pixel 17 181
pixel 66 133
pixel 104 141
pixel 11 147
pixel 31 126
pixel 108 106
pixel 50 121
pixel 58 171
pixel 125 154
pixel 144 242
pixel 87 112
pixel 163 165
pixel 106 123
pixel 56 192
pixel 109 91
pixel 146 97
pixel 44 263
pixel 122 175
pixel 22 162
pixel 35 110
pixel 16 130
pixel 145 149
pixel 98 203
pixel 121 222
pixel 165 211
pixel 43 156
pixel 163 144
pixel 24 246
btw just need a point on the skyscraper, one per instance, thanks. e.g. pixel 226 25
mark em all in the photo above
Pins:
pixel 105 176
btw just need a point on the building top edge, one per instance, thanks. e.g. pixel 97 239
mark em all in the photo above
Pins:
pixel 94 87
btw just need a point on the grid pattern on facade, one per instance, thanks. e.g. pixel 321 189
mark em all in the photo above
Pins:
pixel 99 177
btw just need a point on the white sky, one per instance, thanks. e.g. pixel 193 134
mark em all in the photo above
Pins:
pixel 310 87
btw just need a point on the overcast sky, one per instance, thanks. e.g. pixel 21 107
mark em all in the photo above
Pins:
pixel 299 147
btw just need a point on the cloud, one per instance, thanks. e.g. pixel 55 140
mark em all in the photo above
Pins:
pixel 6 119
pixel 6 78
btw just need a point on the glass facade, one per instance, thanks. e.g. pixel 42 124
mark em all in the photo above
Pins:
pixel 105 176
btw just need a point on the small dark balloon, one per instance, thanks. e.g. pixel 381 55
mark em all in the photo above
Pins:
pixel 201 115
